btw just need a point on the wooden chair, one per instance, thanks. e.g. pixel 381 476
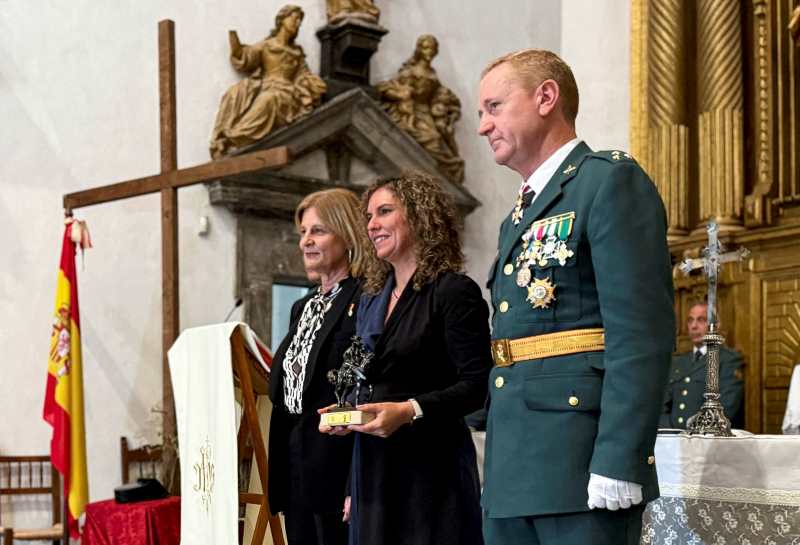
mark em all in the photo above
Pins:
pixel 32 475
pixel 146 459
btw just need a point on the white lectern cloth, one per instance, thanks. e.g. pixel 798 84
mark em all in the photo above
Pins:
pixel 202 381
pixel 791 419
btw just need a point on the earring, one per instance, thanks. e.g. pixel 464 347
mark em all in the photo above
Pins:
pixel 349 255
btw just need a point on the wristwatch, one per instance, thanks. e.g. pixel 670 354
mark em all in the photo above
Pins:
pixel 417 410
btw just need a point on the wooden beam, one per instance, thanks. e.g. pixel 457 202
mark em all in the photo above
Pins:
pixel 170 294
pixel 113 192
pixel 250 163
pixel 166 95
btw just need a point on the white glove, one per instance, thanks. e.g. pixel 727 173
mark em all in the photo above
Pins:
pixel 611 494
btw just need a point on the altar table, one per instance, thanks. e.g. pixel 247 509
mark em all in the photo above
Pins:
pixel 742 490
pixel 154 522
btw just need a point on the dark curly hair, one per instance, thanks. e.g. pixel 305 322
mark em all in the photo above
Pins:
pixel 433 224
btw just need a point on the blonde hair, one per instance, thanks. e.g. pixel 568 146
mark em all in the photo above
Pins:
pixel 433 224
pixel 339 211
pixel 533 66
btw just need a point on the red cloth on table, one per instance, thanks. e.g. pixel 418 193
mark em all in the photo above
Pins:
pixel 155 522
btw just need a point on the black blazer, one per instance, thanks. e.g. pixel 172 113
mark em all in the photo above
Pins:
pixel 420 485
pixel 326 461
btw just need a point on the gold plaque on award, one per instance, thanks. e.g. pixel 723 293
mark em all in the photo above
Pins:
pixel 345 417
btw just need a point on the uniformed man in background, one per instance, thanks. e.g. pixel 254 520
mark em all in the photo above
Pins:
pixel 583 321
pixel 687 378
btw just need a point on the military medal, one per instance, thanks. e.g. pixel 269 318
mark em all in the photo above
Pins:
pixel 541 293
pixel 516 214
pixel 562 253
pixel 523 277
pixel 546 239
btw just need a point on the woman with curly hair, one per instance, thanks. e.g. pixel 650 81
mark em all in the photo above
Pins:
pixel 414 478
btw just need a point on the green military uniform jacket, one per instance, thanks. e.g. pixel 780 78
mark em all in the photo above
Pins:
pixel 687 384
pixel 613 270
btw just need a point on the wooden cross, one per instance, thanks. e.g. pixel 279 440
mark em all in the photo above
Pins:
pixel 167 183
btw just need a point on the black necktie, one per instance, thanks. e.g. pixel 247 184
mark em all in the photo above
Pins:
pixel 697 355
pixel 527 198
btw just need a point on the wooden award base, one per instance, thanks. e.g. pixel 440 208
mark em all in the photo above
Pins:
pixel 345 416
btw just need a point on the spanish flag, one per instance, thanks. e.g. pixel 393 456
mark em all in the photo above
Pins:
pixel 63 401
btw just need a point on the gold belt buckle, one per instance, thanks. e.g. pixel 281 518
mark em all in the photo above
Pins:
pixel 501 352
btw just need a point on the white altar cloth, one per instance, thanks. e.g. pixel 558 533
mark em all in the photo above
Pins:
pixel 714 490
pixel 202 380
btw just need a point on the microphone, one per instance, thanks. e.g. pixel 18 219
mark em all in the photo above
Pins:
pixel 236 305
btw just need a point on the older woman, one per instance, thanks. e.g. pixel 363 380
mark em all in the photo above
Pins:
pixel 414 478
pixel 307 471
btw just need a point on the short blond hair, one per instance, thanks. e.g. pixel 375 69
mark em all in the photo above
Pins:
pixel 533 66
pixel 340 211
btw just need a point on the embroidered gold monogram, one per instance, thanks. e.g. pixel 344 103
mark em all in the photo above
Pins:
pixel 204 476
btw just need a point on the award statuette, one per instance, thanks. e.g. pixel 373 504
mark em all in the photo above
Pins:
pixel 350 378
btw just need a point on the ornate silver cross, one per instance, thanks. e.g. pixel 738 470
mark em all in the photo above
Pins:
pixel 711 419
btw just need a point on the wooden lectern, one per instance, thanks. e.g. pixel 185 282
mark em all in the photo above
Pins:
pixel 252 379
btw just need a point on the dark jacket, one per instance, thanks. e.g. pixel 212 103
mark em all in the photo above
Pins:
pixel 420 485
pixel 687 384
pixel 326 461
pixel 553 421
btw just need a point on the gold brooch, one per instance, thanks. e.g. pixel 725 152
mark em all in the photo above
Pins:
pixel 541 293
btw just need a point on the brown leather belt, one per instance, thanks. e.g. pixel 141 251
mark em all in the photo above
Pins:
pixel 509 351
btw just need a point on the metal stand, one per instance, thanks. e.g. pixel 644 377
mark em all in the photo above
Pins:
pixel 711 419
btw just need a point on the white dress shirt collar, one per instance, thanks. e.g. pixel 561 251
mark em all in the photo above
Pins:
pixel 542 175
pixel 702 349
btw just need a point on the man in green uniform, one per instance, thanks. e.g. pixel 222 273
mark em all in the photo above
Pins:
pixel 687 378
pixel 583 321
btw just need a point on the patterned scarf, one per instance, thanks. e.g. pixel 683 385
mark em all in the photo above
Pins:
pixel 296 358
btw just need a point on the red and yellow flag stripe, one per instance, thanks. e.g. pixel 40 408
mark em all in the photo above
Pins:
pixel 63 403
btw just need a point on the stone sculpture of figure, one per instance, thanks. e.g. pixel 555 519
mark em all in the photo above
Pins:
pixel 418 102
pixel 360 9
pixel 279 87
